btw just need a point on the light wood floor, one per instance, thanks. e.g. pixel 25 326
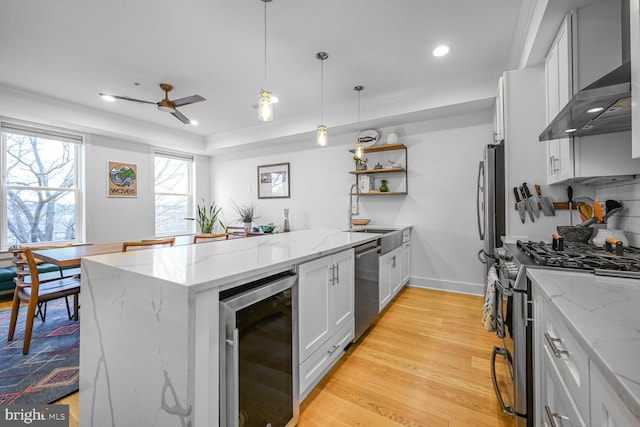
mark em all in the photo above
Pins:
pixel 425 363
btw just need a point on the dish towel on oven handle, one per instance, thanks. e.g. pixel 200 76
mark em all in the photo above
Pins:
pixel 492 316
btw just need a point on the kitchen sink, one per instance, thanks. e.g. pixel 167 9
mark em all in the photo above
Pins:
pixel 390 239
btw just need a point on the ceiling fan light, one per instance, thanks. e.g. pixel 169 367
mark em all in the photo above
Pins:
pixel 441 50
pixel 322 138
pixel 265 106
pixel 107 97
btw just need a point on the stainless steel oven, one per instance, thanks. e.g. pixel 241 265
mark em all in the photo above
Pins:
pixel 259 353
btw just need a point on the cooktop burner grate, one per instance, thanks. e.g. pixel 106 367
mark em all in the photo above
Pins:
pixel 581 256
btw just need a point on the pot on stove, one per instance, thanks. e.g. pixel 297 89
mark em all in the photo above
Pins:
pixel 603 233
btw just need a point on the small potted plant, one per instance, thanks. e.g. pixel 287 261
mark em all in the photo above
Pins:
pixel 246 213
pixel 207 217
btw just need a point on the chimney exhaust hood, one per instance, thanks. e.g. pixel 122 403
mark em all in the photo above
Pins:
pixel 602 107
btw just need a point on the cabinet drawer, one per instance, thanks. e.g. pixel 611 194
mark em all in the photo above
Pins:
pixel 318 364
pixel 558 408
pixel 568 357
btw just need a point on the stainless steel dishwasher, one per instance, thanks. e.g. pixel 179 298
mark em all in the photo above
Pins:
pixel 366 286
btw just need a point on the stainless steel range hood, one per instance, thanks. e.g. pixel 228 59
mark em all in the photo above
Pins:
pixel 602 107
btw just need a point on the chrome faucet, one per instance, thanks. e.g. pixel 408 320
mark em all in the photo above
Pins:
pixel 351 212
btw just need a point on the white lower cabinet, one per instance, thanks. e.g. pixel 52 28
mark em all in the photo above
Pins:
pixel 390 276
pixel 569 389
pixel 405 266
pixel 606 408
pixel 325 314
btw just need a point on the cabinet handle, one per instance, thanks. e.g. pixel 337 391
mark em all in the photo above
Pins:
pixel 393 261
pixel 552 343
pixel 337 271
pixel 552 415
pixel 332 275
pixel 334 348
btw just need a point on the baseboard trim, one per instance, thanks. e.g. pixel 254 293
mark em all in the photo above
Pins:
pixel 445 285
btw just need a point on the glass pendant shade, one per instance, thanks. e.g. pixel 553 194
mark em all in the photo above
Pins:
pixel 265 106
pixel 359 151
pixel 322 138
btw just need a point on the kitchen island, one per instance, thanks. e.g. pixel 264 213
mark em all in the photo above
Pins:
pixel 149 343
pixel 593 328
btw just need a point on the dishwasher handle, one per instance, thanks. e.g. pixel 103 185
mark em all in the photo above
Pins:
pixel 374 249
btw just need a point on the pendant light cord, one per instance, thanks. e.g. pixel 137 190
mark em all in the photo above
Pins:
pixel 265 45
pixel 359 127
pixel 322 92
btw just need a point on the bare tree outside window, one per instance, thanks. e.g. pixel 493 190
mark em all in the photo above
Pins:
pixel 40 189
pixel 173 195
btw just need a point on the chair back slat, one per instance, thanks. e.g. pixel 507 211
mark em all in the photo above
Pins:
pixel 148 244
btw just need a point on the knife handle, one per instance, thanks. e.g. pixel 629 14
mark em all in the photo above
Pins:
pixel 515 192
pixel 526 190
pixel 538 191
pixel 524 195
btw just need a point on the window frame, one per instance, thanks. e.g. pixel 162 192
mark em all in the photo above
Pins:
pixel 191 161
pixel 78 142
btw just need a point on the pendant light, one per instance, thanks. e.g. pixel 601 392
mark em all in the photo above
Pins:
pixel 265 103
pixel 322 129
pixel 359 149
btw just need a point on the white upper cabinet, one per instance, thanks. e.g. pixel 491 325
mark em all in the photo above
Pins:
pixel 498 114
pixel 634 33
pixel 559 90
pixel 587 46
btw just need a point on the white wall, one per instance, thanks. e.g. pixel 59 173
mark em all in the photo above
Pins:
pixel 115 219
pixel 443 156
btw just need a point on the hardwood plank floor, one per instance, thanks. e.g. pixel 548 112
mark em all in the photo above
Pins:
pixel 426 362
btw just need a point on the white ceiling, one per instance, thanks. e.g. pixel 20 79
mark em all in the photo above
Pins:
pixel 69 50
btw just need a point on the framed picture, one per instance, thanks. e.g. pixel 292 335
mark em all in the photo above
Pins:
pixel 273 181
pixel 123 180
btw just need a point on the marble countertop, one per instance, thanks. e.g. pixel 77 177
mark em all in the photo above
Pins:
pixel 604 314
pixel 218 263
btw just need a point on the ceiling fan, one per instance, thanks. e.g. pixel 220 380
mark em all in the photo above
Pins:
pixel 165 104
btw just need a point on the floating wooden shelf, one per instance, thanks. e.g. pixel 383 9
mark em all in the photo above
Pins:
pixel 372 171
pixel 384 147
pixel 379 193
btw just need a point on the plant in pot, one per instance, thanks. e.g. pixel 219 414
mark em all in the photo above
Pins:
pixel 208 216
pixel 246 213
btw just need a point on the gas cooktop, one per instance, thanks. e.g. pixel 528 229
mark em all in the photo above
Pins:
pixel 616 261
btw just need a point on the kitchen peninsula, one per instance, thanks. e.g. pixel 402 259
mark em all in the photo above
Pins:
pixel 150 325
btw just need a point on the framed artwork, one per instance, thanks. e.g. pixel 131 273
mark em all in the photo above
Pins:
pixel 274 181
pixel 123 180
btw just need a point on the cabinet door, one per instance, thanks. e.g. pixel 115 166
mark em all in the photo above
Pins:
pixel 498 114
pixel 406 262
pixel 606 407
pixel 313 306
pixel 396 271
pixel 384 279
pixel 558 408
pixel 341 290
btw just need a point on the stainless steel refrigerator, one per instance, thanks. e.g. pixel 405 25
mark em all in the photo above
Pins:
pixel 491 202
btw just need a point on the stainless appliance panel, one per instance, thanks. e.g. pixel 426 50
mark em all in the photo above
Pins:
pixel 367 290
pixel 259 354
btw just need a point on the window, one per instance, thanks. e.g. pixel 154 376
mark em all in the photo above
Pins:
pixel 174 195
pixel 41 199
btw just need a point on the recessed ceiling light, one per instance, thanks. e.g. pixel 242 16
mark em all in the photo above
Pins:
pixel 193 122
pixel 107 97
pixel 441 50
pixel 570 130
pixel 595 110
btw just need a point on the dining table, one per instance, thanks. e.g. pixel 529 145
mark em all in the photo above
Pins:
pixel 72 255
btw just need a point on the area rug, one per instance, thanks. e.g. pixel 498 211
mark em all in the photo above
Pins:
pixel 51 369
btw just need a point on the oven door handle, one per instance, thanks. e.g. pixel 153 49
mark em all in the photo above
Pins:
pixel 233 376
pixel 505 353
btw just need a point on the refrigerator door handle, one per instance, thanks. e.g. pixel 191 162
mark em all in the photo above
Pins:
pixel 481 190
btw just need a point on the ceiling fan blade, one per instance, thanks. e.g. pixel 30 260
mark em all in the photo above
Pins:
pixel 125 98
pixel 188 100
pixel 181 117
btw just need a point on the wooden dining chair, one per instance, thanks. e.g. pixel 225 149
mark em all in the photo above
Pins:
pixel 23 274
pixel 148 244
pixel 201 238
pixel 240 230
pixel 34 293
